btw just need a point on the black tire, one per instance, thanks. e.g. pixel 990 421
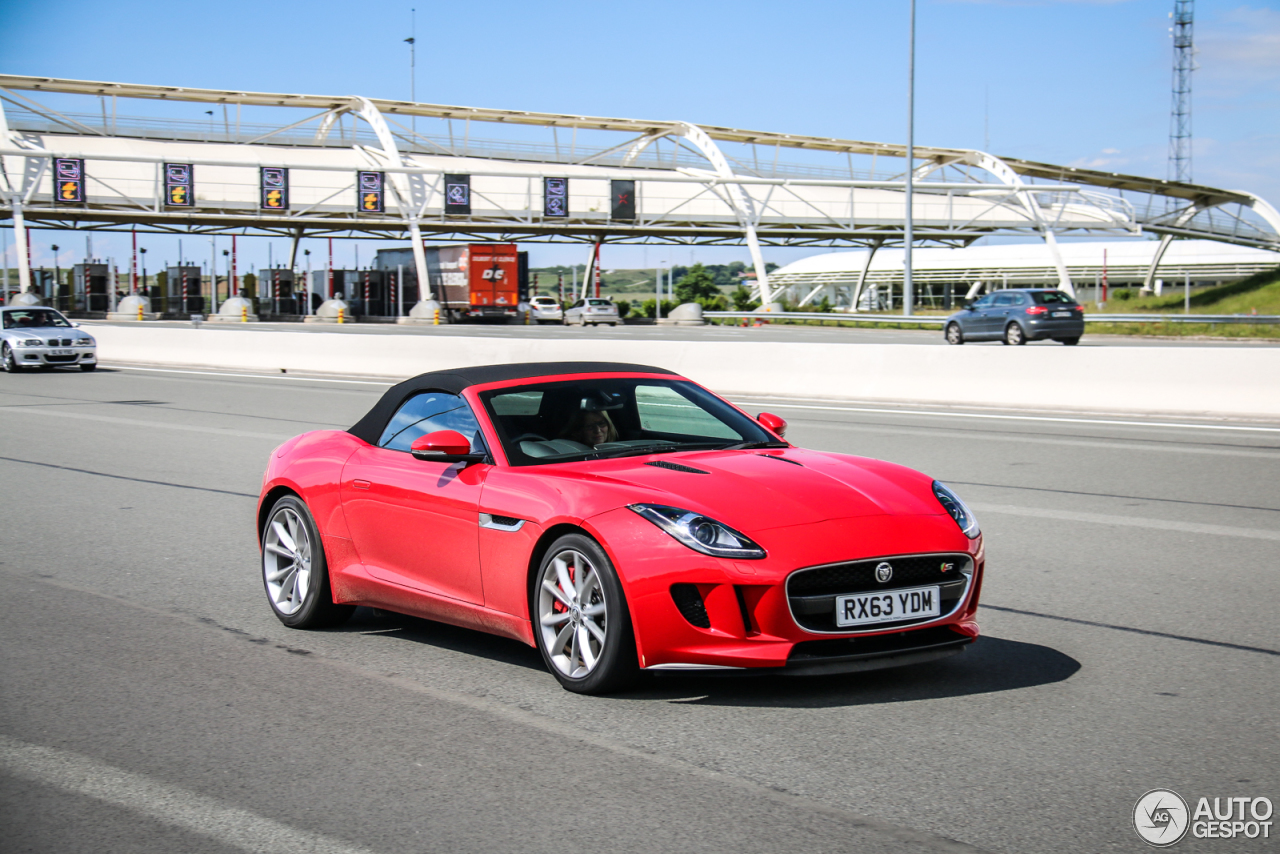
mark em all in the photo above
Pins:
pixel 954 334
pixel 88 368
pixel 10 361
pixel 313 607
pixel 1013 334
pixel 615 666
pixel 1070 342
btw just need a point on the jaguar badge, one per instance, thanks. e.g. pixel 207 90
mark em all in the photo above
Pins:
pixel 884 571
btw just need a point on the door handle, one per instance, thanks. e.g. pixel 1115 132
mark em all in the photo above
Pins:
pixel 360 484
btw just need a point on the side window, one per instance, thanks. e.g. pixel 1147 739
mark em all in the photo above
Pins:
pixel 1005 300
pixel 426 413
pixel 664 410
pixel 984 302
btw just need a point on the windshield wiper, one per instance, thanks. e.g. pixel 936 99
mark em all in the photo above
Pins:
pixel 657 449
pixel 743 446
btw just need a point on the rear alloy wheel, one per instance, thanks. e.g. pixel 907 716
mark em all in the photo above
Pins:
pixel 1013 334
pixel 294 570
pixel 1070 342
pixel 582 623
pixel 11 365
pixel 954 335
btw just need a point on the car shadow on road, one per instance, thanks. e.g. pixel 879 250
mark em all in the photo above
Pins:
pixel 370 621
pixel 989 665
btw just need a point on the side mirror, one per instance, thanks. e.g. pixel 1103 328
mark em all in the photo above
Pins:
pixel 444 446
pixel 775 424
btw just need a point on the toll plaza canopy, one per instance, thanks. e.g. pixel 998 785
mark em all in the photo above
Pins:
pixel 109 156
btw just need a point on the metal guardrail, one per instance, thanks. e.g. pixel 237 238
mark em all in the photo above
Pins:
pixel 1182 318
pixel 898 319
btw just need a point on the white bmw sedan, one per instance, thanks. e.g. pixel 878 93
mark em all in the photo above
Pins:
pixel 36 337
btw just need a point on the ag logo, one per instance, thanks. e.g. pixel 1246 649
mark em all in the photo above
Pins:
pixel 884 571
pixel 1161 817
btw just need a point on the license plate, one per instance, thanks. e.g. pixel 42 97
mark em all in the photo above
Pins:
pixel 62 352
pixel 1062 314
pixel 863 609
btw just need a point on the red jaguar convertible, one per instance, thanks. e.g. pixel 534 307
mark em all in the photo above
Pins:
pixel 619 518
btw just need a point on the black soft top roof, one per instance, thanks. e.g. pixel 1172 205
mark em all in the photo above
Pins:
pixel 454 381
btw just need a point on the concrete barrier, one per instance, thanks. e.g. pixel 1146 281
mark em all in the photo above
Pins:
pixel 1223 380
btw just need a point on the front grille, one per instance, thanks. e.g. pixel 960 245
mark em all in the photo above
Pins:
pixel 858 576
pixel 54 359
pixel 689 600
pixel 811 593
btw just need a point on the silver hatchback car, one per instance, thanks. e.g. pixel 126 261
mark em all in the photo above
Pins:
pixel 592 310
pixel 32 336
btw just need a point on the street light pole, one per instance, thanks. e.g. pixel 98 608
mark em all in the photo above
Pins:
pixel 908 291
pixel 57 274
pixel 413 68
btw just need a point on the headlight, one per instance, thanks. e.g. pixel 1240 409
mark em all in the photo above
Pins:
pixel 84 342
pixel 957 509
pixel 700 533
pixel 31 342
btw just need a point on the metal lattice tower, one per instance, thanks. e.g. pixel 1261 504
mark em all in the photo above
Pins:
pixel 1183 65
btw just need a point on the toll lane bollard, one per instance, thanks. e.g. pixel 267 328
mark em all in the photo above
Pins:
pixel 244 313
pixel 139 309
pixel 436 321
pixel 342 315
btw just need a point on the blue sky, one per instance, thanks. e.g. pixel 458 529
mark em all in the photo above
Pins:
pixel 1084 82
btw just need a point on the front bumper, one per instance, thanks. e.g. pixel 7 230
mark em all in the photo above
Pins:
pixel 55 356
pixel 744 621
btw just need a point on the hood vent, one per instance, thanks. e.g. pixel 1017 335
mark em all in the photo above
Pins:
pixel 780 459
pixel 663 464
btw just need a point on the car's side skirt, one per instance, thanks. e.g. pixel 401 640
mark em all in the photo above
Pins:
pixel 358 587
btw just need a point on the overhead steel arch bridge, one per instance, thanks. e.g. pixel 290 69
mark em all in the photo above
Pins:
pixel 624 181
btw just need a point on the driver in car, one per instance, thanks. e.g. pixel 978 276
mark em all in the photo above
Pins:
pixel 590 428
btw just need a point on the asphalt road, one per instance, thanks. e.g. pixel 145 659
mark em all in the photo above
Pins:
pixel 772 332
pixel 150 702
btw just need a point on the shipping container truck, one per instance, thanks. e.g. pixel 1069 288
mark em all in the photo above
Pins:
pixel 476 280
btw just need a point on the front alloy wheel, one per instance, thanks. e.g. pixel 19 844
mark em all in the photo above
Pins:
pixel 11 365
pixel 583 626
pixel 954 335
pixel 294 570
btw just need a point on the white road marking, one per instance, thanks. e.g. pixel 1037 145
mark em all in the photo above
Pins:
pixel 80 775
pixel 138 422
pixel 384 384
pixel 1128 521
pixel 938 414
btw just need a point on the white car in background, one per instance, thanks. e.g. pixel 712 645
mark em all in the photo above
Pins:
pixel 544 309
pixel 591 310
pixel 32 336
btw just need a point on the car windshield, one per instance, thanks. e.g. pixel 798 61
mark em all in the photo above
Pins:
pixel 1052 298
pixel 32 317
pixel 593 419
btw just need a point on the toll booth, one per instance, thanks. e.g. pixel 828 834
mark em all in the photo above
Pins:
pixel 280 291
pixel 186 281
pixel 89 287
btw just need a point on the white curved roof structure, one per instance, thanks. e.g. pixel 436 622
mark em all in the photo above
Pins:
pixel 692 184
pixel 844 276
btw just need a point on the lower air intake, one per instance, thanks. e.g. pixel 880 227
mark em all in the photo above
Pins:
pixel 689 600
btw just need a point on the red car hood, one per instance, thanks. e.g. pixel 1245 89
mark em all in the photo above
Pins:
pixel 747 491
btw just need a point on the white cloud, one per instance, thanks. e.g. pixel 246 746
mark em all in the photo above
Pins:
pixel 1241 45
